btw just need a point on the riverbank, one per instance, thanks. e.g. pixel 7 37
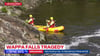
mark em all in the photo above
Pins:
pixel 13 30
pixel 18 10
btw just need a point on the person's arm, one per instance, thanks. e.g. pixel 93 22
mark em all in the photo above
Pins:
pixel 52 22
pixel 29 20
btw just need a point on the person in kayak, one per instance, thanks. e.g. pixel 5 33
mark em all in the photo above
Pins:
pixel 52 22
pixel 31 20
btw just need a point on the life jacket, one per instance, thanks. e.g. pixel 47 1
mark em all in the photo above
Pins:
pixel 53 25
pixel 32 22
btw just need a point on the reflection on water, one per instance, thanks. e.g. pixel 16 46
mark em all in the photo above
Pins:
pixel 56 33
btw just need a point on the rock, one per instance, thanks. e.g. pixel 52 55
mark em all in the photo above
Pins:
pixel 9 12
pixel 18 12
pixel 16 31
pixel 42 37
pixel 29 4
pixel 26 6
pixel 0 7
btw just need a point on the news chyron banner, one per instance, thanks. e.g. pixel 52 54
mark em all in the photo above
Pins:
pixel 41 49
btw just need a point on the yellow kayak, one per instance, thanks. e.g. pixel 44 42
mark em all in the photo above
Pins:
pixel 54 29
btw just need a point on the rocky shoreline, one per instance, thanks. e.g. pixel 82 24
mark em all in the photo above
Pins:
pixel 15 31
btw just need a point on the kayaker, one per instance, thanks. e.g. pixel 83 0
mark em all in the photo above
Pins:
pixel 31 20
pixel 52 22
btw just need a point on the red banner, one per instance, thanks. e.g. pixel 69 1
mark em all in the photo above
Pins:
pixel 13 4
pixel 36 51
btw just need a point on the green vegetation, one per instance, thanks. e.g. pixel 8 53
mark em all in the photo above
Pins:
pixel 4 9
pixel 9 0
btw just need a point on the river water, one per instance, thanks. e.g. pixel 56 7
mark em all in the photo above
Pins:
pixel 81 20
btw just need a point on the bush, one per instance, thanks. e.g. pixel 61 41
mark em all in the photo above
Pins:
pixel 4 9
pixel 8 0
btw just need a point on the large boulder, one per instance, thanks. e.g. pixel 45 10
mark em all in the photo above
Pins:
pixel 15 31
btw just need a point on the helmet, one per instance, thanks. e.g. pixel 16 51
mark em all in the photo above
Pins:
pixel 30 16
pixel 51 18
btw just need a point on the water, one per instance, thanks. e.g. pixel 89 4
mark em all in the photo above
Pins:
pixel 81 20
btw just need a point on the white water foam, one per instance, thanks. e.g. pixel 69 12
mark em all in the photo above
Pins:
pixel 76 41
pixel 83 39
